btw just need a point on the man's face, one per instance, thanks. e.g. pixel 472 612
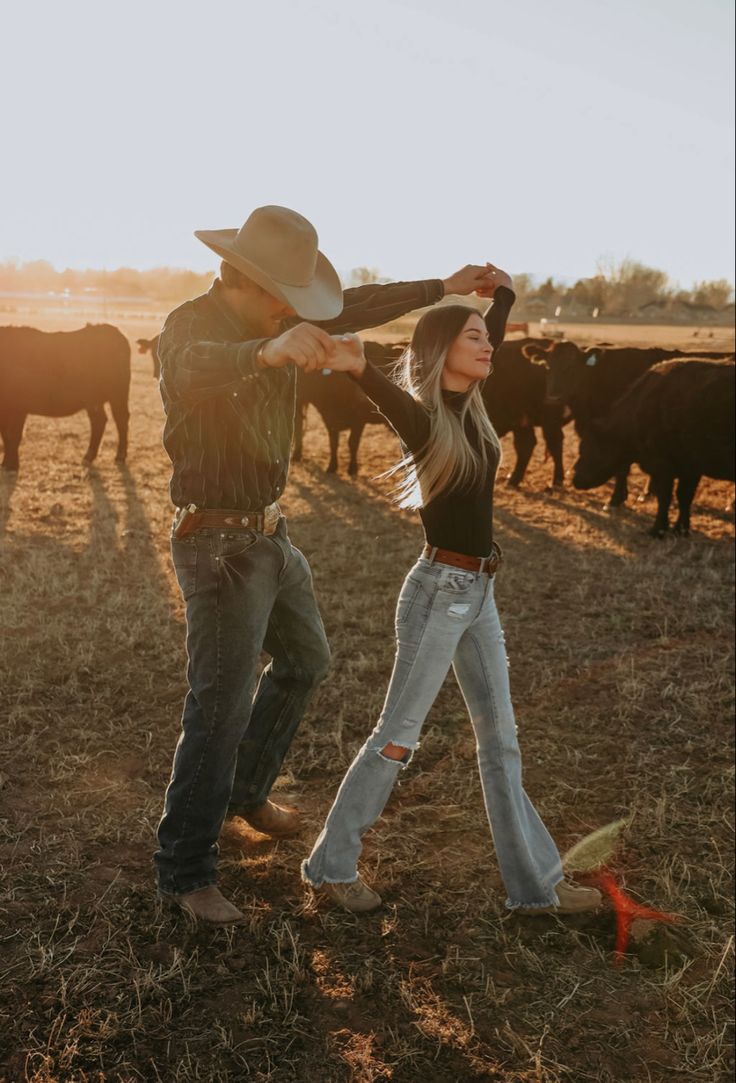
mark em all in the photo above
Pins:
pixel 261 310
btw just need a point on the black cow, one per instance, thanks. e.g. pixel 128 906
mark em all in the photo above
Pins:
pixel 341 404
pixel 515 396
pixel 58 373
pixel 590 380
pixel 677 422
pixel 150 345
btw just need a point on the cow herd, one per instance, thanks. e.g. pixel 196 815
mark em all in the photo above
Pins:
pixel 670 412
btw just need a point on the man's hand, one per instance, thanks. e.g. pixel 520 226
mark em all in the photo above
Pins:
pixel 348 356
pixel 482 280
pixel 467 280
pixel 495 277
pixel 307 346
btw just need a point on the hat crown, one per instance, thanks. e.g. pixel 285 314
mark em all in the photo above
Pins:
pixel 280 241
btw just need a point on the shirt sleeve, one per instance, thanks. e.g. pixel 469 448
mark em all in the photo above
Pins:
pixel 405 415
pixel 376 304
pixel 497 314
pixel 194 368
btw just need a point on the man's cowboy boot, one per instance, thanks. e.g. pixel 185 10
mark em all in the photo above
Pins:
pixel 207 904
pixel 272 820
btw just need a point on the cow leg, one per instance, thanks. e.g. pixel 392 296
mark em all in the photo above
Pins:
pixel 334 440
pixel 686 487
pixel 663 485
pixel 524 443
pixel 353 444
pixel 97 421
pixel 11 430
pixel 121 414
pixel 553 438
pixel 620 488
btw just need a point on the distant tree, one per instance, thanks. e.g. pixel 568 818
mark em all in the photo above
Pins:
pixel 523 285
pixel 543 300
pixel 714 295
pixel 589 294
pixel 632 286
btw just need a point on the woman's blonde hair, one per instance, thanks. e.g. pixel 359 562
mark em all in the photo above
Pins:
pixel 447 461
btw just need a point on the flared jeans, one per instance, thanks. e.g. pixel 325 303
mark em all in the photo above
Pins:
pixel 445 617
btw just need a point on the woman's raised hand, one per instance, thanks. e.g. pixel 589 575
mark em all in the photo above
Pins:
pixel 348 356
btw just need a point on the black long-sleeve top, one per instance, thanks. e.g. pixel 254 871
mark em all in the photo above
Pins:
pixel 459 520
pixel 229 421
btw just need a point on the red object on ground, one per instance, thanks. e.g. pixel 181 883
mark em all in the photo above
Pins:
pixel 626 911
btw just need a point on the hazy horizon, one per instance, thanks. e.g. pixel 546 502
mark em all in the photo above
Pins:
pixel 416 138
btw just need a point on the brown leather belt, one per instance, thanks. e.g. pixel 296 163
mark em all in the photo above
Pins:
pixel 192 518
pixel 461 560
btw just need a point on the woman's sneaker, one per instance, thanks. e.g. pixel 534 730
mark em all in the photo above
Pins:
pixel 573 899
pixel 355 896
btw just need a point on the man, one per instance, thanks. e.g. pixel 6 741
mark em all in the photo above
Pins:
pixel 228 373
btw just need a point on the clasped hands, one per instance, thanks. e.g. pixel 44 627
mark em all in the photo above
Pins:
pixel 311 348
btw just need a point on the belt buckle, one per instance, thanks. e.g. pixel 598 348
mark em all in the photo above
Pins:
pixel 271 516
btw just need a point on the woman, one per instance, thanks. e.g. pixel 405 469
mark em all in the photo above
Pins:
pixel 446 613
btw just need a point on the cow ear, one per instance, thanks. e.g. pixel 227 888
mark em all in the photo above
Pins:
pixel 534 352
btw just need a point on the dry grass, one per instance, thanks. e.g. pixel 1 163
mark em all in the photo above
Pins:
pixel 622 679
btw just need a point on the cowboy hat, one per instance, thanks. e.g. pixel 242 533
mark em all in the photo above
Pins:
pixel 277 248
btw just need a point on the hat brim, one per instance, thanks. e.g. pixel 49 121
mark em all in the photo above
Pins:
pixel 321 300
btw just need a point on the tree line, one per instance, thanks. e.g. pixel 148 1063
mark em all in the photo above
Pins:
pixel 623 290
pixel 628 290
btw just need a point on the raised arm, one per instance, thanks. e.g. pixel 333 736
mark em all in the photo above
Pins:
pixel 405 415
pixel 194 368
pixel 374 304
pixel 498 313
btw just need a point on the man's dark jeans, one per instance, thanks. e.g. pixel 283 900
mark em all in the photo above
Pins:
pixel 244 592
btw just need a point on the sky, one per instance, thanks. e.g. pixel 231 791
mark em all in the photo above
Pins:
pixel 417 135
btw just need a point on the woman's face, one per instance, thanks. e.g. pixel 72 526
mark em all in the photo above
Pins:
pixel 469 357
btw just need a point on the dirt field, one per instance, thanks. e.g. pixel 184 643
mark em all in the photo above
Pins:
pixel 621 664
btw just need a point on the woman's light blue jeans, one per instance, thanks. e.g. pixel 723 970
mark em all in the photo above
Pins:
pixel 445 616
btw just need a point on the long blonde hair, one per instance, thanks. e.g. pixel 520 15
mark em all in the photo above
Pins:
pixel 447 461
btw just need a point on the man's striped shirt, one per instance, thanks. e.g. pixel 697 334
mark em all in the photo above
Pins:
pixel 229 421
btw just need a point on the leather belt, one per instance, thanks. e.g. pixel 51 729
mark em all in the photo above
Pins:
pixel 192 518
pixel 487 564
